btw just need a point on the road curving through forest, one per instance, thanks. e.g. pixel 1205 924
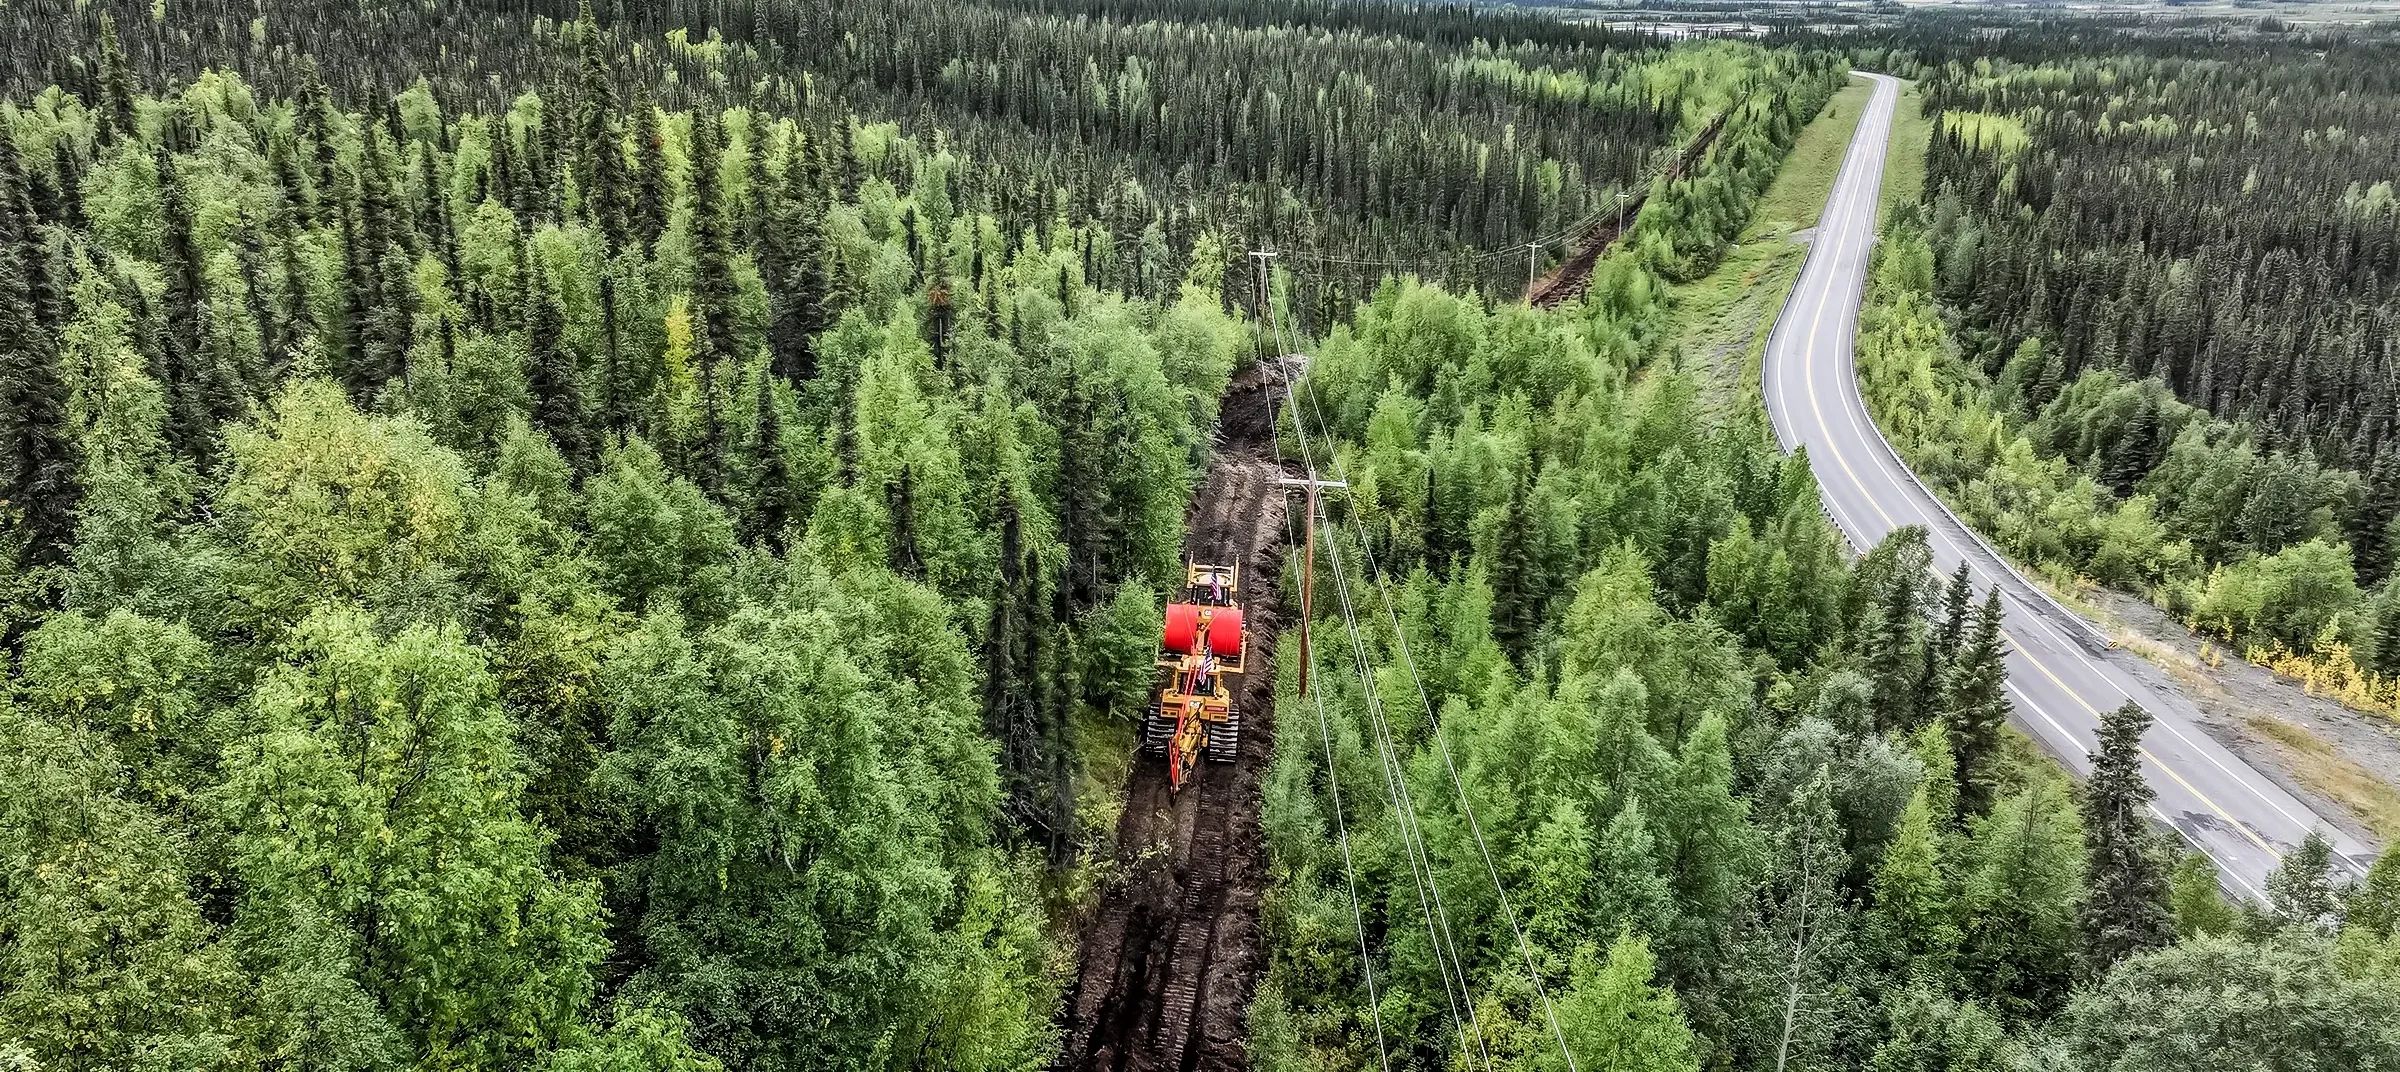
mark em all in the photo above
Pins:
pixel 2061 678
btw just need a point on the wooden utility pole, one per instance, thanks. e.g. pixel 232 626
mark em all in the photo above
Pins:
pixel 1308 563
pixel 1266 270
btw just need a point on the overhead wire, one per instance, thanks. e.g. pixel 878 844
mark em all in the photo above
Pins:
pixel 1458 991
pixel 1449 762
pixel 1333 786
pixel 1412 830
pixel 1505 252
pixel 1400 641
pixel 1491 256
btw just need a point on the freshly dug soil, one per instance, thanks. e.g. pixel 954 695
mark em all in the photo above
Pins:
pixel 1170 953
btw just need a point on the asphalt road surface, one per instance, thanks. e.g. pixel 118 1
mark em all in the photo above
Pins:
pixel 2061 673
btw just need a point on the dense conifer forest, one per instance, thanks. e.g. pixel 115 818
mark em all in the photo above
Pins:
pixel 2226 226
pixel 632 537
pixel 1367 138
pixel 2164 262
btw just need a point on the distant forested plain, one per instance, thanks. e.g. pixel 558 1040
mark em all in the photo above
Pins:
pixel 632 537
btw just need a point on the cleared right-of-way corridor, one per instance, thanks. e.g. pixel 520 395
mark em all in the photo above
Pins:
pixel 2062 674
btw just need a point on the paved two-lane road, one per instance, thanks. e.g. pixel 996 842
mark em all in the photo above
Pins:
pixel 2061 676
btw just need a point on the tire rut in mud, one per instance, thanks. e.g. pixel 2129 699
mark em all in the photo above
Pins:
pixel 1170 953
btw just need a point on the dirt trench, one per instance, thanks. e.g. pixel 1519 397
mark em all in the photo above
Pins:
pixel 1171 950
pixel 1572 275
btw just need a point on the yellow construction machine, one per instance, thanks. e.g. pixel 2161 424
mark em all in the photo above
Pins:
pixel 1202 650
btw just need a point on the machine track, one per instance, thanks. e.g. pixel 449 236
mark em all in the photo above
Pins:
pixel 1171 950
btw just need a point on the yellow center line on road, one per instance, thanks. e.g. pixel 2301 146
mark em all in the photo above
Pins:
pixel 2071 692
pixel 1808 352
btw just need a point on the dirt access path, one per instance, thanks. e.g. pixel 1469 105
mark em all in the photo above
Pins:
pixel 1171 951
pixel 1575 273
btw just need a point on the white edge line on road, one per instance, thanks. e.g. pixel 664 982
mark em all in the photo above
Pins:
pixel 1847 196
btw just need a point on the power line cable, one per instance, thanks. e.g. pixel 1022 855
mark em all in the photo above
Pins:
pixel 1441 743
pixel 1333 785
pixel 1444 945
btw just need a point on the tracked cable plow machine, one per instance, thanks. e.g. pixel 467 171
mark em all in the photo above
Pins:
pixel 1202 651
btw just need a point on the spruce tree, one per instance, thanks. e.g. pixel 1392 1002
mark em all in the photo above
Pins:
pixel 1516 574
pixel 116 111
pixel 550 372
pixel 1941 649
pixel 1011 647
pixel 2126 911
pixel 37 452
pixel 650 185
pixel 391 322
pixel 1896 656
pixel 1628 892
pixel 622 385
pixel 1974 709
pixel 713 296
pixel 770 495
pixel 297 315
pixel 1884 602
pixel 1911 926
pixel 599 158
pixel 192 407
pixel 792 262
pixel 1706 845
pixel 358 289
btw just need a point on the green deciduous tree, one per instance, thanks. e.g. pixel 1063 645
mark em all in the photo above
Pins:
pixel 2200 907
pixel 109 961
pixel 324 504
pixel 657 536
pixel 1615 1019
pixel 2212 1004
pixel 1930 1032
pixel 137 685
pixel 376 786
pixel 800 785
pixel 2301 892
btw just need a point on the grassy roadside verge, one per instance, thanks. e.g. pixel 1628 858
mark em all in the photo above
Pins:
pixel 2315 753
pixel 2319 764
pixel 1904 162
pixel 1719 323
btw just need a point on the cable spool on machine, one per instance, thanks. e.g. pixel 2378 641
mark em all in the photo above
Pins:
pixel 1201 648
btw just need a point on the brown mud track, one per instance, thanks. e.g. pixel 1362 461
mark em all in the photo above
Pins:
pixel 1572 275
pixel 1171 952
